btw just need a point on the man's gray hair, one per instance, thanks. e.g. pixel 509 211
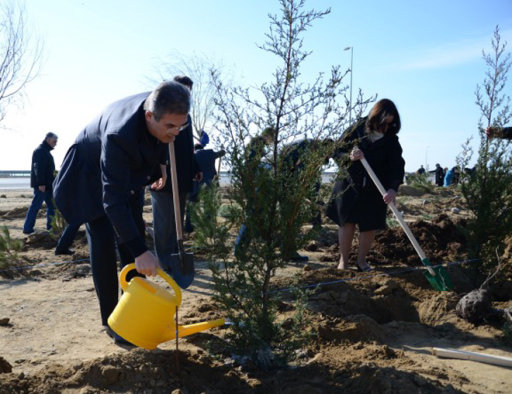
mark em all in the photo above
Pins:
pixel 169 97
pixel 50 135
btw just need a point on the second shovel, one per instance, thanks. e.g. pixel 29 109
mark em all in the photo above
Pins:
pixel 179 265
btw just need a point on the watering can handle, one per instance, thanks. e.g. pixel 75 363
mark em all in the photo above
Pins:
pixel 167 278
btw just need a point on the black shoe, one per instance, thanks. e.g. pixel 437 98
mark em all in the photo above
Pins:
pixel 298 258
pixel 64 251
pixel 118 340
pixel 365 269
pixel 28 232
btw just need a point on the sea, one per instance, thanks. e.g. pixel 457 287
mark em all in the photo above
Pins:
pixel 23 183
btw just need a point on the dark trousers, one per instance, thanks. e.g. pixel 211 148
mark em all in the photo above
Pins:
pixel 37 202
pixel 67 237
pixel 102 249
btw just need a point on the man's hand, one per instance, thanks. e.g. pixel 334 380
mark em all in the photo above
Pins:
pixel 159 184
pixel 198 177
pixel 146 263
pixel 390 196
pixel 42 188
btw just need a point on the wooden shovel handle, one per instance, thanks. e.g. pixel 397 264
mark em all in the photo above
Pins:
pixel 175 192
pixel 397 214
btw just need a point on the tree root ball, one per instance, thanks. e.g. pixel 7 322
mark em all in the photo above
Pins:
pixel 475 306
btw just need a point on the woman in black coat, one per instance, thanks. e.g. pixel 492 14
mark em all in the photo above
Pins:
pixel 355 199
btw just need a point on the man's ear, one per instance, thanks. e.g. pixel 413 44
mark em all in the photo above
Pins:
pixel 148 115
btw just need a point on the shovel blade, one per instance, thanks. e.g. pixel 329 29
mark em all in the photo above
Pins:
pixel 440 281
pixel 180 266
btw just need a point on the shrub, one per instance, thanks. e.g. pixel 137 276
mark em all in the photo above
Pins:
pixel 488 188
pixel 8 249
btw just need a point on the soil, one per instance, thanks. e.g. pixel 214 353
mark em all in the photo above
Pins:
pixel 373 332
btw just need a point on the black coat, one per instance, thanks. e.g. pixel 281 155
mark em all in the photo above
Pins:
pixel 356 196
pixel 43 167
pixel 106 169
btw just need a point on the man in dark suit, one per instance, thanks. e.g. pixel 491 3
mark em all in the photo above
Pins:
pixel 41 179
pixel 164 226
pixel 102 179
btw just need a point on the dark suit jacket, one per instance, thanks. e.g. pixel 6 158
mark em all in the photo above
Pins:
pixel 43 167
pixel 106 169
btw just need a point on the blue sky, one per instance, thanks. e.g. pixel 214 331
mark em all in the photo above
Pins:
pixel 424 55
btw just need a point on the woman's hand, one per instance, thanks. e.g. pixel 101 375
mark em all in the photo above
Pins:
pixel 356 154
pixel 390 196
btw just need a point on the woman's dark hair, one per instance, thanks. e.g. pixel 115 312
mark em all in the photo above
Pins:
pixel 378 114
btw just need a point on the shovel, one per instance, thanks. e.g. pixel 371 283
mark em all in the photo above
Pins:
pixel 437 276
pixel 178 265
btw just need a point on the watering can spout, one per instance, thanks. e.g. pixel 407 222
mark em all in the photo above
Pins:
pixel 190 329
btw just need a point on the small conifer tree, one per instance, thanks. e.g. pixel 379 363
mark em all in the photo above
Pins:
pixel 488 187
pixel 277 138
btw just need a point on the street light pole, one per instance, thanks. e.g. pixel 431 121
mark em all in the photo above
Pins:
pixel 351 72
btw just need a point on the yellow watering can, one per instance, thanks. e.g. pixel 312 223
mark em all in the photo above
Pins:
pixel 145 313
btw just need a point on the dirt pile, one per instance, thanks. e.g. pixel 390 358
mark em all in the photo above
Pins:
pixel 372 332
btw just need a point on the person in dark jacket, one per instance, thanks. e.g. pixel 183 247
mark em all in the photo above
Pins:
pixel 102 179
pixel 439 175
pixel 41 179
pixel 164 226
pixel 205 158
pixel 295 158
pixel 355 199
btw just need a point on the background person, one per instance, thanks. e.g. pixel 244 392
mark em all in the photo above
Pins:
pixel 439 173
pixel 256 164
pixel 102 180
pixel 164 226
pixel 42 173
pixel 295 157
pixel 205 158
pixel 451 177
pixel 355 199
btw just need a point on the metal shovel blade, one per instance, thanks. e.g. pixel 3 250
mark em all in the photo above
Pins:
pixel 180 266
pixel 440 280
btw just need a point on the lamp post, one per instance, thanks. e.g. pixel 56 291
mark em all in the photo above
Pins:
pixel 351 72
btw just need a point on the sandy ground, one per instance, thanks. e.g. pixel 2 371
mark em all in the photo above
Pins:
pixel 374 333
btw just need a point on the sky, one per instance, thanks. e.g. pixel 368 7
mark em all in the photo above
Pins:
pixel 426 56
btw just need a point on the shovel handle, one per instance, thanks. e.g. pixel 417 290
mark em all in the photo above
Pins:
pixel 175 191
pixel 398 215
pixel 127 268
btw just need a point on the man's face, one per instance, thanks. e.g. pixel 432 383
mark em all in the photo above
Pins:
pixel 168 127
pixel 52 142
